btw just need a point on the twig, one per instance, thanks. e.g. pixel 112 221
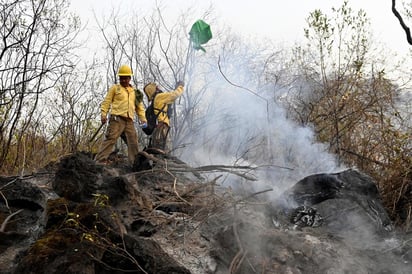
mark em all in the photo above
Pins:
pixel 241 254
pixel 364 158
pixel 3 225
pixel 237 260
pixel 112 268
pixel 282 167
pixel 249 90
pixel 254 194
pixel 174 185
pixel 9 183
pixel 5 200
pixel 108 246
pixel 396 247
pixel 218 168
pixel 200 186
pixel 404 26
pixel 238 86
pixel 235 263
pixel 218 209
pixel 177 193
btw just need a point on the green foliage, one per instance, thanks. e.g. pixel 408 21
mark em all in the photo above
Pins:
pixel 101 200
pixel 338 44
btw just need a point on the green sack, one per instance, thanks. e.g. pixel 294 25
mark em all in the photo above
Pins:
pixel 200 34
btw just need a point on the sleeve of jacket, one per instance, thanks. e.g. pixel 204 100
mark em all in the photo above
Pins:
pixel 140 111
pixel 169 97
pixel 105 106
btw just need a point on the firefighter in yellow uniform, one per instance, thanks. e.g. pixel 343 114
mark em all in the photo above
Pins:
pixel 121 101
pixel 161 100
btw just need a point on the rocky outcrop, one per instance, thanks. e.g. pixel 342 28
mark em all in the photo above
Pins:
pixel 341 203
pixel 164 217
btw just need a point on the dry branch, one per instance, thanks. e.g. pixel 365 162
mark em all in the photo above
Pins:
pixel 174 167
pixel 3 225
pixel 403 25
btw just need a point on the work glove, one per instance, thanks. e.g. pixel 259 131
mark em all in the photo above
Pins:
pixel 180 83
pixel 143 124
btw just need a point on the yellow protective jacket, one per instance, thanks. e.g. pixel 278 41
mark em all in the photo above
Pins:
pixel 162 99
pixel 121 101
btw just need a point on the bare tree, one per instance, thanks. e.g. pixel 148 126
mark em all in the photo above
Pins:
pixel 36 39
pixel 75 110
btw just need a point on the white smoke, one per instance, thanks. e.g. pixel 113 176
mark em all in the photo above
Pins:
pixel 245 125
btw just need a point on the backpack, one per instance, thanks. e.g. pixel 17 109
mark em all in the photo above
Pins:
pixel 139 96
pixel 151 117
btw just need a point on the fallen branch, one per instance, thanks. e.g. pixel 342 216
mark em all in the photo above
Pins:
pixel 171 166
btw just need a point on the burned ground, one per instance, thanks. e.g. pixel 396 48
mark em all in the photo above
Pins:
pixel 164 217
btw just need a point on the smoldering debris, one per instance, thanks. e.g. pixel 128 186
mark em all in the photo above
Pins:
pixel 170 219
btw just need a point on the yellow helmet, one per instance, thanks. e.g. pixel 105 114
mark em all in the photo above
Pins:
pixel 125 70
pixel 150 90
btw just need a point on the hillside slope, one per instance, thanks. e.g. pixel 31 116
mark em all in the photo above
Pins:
pixel 163 216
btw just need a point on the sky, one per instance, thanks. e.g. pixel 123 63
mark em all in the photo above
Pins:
pixel 280 21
